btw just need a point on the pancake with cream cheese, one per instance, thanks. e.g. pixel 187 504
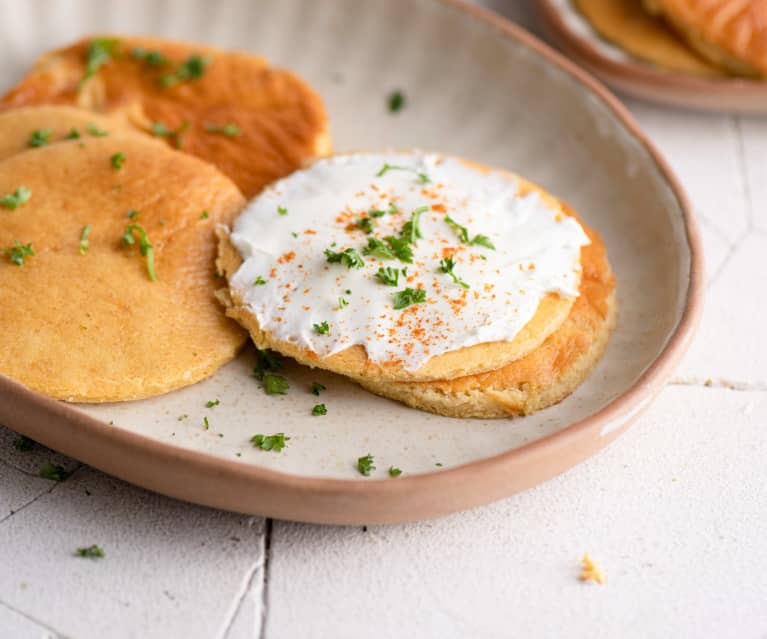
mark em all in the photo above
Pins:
pixel 82 319
pixel 33 127
pixel 254 122
pixel 543 377
pixel 402 266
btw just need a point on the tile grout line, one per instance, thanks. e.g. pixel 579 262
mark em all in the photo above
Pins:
pixel 719 384
pixel 21 613
pixel 265 578
pixel 48 491
pixel 743 166
pixel 727 258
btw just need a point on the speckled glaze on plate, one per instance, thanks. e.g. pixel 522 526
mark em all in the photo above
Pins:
pixel 623 72
pixel 478 87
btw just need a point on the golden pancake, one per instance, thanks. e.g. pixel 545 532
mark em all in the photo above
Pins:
pixel 626 24
pixel 543 377
pixel 81 320
pixel 31 127
pixel 732 34
pixel 254 122
pixel 353 361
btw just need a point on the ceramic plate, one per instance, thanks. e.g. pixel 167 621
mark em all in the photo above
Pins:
pixel 476 86
pixel 577 38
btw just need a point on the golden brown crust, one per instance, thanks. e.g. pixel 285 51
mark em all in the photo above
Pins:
pixel 353 361
pixel 543 377
pixel 282 120
pixel 730 33
pixel 16 126
pixel 93 327
pixel 626 24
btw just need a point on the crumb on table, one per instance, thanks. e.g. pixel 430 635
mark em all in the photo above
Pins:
pixel 592 571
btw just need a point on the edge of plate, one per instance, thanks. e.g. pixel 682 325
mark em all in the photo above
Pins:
pixel 644 81
pixel 231 485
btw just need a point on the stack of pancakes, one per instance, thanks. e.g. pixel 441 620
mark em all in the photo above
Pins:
pixel 703 37
pixel 126 153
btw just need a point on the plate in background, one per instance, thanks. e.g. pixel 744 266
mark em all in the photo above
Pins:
pixel 577 38
pixel 476 86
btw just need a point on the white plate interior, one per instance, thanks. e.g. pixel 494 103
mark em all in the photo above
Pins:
pixel 469 92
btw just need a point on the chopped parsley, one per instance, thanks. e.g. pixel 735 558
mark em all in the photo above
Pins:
pixel 19 252
pixel 396 101
pixel 49 470
pixel 151 58
pixel 411 231
pixel 366 224
pixel 205 423
pixel 204 215
pixel 422 177
pixel 365 465
pixel 260 281
pixel 394 472
pixel 84 242
pixel 319 409
pixel 91 552
pixel 463 234
pixel 193 68
pixel 400 247
pixel 93 130
pixel 379 213
pixel 14 200
pixel 266 361
pixel 117 160
pixel 230 129
pixel 181 418
pixel 145 247
pixel 161 130
pixel 388 275
pixel 212 403
pixel 349 257
pixel 100 51
pixel 273 443
pixel 317 388
pixel 321 329
pixel 275 384
pixel 282 210
pixel 408 297
pixel 378 248
pixel 74 134
pixel 342 301
pixel 40 137
pixel 132 214
pixel 446 265
pixel 24 444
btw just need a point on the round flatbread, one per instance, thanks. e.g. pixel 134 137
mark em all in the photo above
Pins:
pixel 546 375
pixel 254 122
pixel 81 318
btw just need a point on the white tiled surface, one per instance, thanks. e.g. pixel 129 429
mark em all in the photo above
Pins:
pixel 676 510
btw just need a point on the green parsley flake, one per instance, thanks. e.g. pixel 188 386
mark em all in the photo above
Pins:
pixel 408 297
pixel 161 130
pixel 230 129
pixel 91 552
pixel 212 403
pixel 181 418
pixel 24 444
pixel 388 275
pixel 266 361
pixel 93 130
pixel 394 472
pixel 260 281
pixel 132 214
pixel 204 215
pixel 193 68
pixel 49 470
pixel 366 224
pixel 365 465
pixel 274 443
pixel 145 247
pixel 275 384
pixel 349 257
pixel 378 248
pixel 321 329
pixel 342 302
pixel 411 231
pixel 117 160
pixel 205 423
pixel 400 247
pixel 446 265
pixel 282 210
pixel 379 213
pixel 422 177
pixel 14 200
pixel 100 52
pixel 396 101
pixel 317 388
pixel 319 409
pixel 463 234
pixel 151 58
pixel 19 252
pixel 40 137
pixel 74 134
pixel 84 242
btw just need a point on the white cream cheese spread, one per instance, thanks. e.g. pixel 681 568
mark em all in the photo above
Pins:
pixel 409 255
